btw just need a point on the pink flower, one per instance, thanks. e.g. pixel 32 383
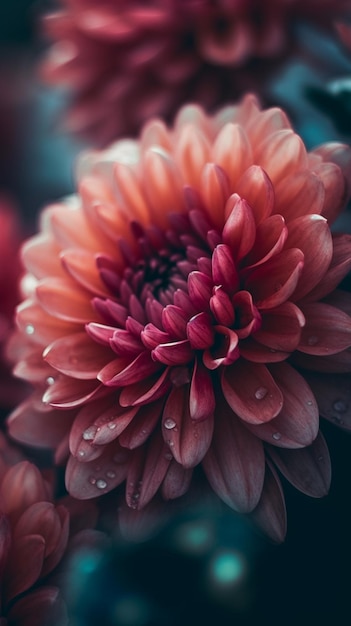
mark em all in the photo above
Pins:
pixel 33 538
pixel 127 60
pixel 177 307
pixel 10 269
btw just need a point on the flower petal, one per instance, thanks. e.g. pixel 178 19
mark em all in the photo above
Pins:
pixel 281 327
pixel 297 424
pixel 316 336
pixel 273 282
pixel 97 477
pixel 25 564
pixel 234 464
pixel 270 513
pixel 63 299
pixel 256 188
pixel 201 399
pixel 77 356
pixel 251 391
pixel 307 469
pixel 187 439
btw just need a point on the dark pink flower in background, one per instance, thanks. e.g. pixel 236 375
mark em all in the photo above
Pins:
pixel 176 308
pixel 10 270
pixel 126 60
pixel 33 539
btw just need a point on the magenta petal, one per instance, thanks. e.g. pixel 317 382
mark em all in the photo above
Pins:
pixel 174 321
pixel 98 477
pixel 221 307
pixel 307 469
pixel 65 300
pixel 119 372
pixel 202 399
pixel 176 482
pixel 77 356
pixel 187 439
pixel 273 282
pixel 327 329
pixel 251 391
pixel 25 565
pixel 297 424
pixel 200 289
pixel 224 272
pixel 147 390
pixel 174 353
pixel 152 336
pixel 270 513
pixel 124 343
pixel 200 331
pixel 141 427
pixel 234 464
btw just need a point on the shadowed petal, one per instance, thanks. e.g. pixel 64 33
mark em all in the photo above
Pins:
pixel 270 513
pixel 251 391
pixel 146 472
pixel 297 424
pixel 25 564
pixel 176 482
pixel 281 327
pixel 234 464
pixel 97 477
pixel 188 439
pixel 333 393
pixel 201 399
pixel 257 189
pixel 308 469
pixel 316 336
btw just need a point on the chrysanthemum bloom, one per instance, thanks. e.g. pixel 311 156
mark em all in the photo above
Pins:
pixel 10 269
pixel 33 538
pixel 127 60
pixel 173 304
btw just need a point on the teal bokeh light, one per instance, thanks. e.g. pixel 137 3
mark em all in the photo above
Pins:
pixel 195 537
pixel 227 568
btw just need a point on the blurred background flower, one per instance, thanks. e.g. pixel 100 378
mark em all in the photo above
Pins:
pixel 125 62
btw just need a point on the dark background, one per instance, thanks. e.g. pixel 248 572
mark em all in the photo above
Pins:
pixel 167 580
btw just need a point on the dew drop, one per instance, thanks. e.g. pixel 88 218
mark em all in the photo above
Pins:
pixel 89 433
pixel 340 406
pixel 110 474
pixel 320 458
pixel 81 453
pixel 112 425
pixel 261 393
pixel 168 456
pixel 29 329
pixel 92 480
pixel 169 423
pixel 312 340
pixel 101 483
pixel 272 350
pixel 50 380
pixel 276 436
pixel 309 402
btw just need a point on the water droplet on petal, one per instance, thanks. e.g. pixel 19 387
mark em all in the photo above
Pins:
pixel 112 425
pixel 81 453
pixel 89 433
pixel 340 406
pixel 309 402
pixel 50 380
pixel 101 483
pixel 169 423
pixel 312 340
pixel 261 393
pixel 110 474
pixel 276 436
pixel 92 480
pixel 30 329
pixel 320 458
pixel 168 456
